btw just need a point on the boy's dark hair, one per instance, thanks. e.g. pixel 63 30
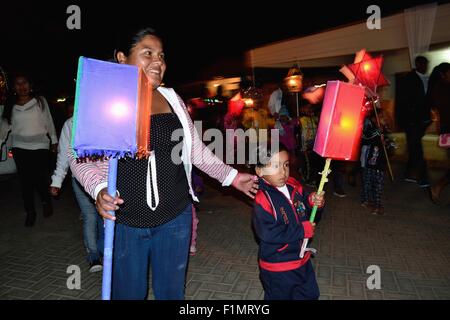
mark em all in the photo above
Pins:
pixel 265 152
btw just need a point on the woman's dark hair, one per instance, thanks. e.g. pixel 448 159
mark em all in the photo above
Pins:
pixel 436 74
pixel 11 98
pixel 127 39
pixel 70 102
pixel 5 78
pixel 265 152
pixel 435 81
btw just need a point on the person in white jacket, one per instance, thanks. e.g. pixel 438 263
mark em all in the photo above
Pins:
pixel 92 222
pixel 277 106
pixel 33 134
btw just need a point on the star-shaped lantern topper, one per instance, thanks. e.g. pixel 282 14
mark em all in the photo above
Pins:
pixel 366 71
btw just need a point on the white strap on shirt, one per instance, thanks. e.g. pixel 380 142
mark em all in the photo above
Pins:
pixel 152 184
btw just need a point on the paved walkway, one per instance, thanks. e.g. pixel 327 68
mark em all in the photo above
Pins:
pixel 410 245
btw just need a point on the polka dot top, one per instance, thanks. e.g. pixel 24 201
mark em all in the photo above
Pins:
pixel 171 179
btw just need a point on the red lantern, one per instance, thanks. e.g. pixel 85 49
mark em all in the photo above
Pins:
pixel 340 127
pixel 235 105
pixel 367 71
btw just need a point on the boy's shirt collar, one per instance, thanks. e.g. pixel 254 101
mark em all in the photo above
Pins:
pixel 266 186
pixel 284 190
pixel 291 184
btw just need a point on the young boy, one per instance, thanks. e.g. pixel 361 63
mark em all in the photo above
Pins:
pixel 280 221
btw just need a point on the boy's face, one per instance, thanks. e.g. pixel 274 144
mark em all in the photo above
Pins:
pixel 276 172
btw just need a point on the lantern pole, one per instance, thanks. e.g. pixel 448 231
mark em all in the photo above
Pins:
pixel 326 171
pixel 109 233
pixel 374 99
pixel 374 104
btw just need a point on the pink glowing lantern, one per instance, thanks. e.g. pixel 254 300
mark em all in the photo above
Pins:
pixel 339 132
pixel 340 126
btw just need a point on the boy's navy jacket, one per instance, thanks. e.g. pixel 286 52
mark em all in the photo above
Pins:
pixel 281 225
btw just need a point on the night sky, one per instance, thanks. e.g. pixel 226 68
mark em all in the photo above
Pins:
pixel 34 36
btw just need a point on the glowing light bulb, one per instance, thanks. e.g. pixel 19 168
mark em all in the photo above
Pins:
pixel 119 109
pixel 248 102
pixel 345 123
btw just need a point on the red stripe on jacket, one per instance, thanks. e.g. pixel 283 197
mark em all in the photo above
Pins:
pixel 262 200
pixel 284 266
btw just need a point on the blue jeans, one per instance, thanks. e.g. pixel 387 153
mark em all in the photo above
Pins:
pixel 166 247
pixel 93 230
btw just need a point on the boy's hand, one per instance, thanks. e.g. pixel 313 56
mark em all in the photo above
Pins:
pixel 54 148
pixel 308 228
pixel 318 199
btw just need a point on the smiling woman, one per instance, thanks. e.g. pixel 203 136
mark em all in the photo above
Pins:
pixel 154 210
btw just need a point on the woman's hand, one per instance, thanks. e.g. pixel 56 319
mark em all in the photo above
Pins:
pixel 246 183
pixel 54 148
pixel 54 191
pixel 107 203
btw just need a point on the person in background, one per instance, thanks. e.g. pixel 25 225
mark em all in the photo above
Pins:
pixel 33 136
pixel 220 108
pixel 373 164
pixel 277 105
pixel 414 116
pixel 92 222
pixel 3 87
pixel 199 188
pixel 439 98
pixel 308 130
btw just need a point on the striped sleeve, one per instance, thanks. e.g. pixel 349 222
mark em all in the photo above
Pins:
pixel 90 174
pixel 203 158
